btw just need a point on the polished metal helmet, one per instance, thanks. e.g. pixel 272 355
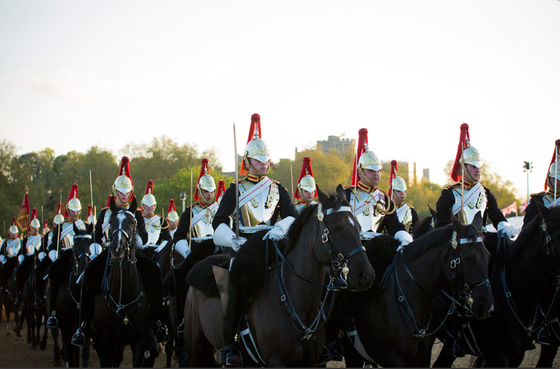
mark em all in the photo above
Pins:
pixel 256 147
pixel 368 160
pixel 398 184
pixel 307 183
pixel 123 183
pixel 35 223
pixel 74 203
pixel 13 228
pixel 58 218
pixel 471 156
pixel 90 215
pixel 171 212
pixel 554 170
pixel 149 199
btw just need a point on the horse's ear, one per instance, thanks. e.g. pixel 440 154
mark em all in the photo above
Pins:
pixel 542 209
pixel 89 229
pixel 340 192
pixel 477 221
pixel 457 225
pixel 112 205
pixel 432 211
pixel 133 205
pixel 76 229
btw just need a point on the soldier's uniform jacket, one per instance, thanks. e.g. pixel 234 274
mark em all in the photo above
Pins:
pixel 202 217
pixel 301 204
pixel 102 233
pixel 476 198
pixel 407 216
pixel 11 248
pixel 32 245
pixel 157 229
pixel 365 202
pixel 545 198
pixel 63 234
pixel 261 201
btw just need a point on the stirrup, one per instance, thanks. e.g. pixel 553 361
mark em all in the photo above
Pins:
pixel 543 337
pixel 180 330
pixel 231 357
pixel 161 332
pixel 52 322
pixel 79 338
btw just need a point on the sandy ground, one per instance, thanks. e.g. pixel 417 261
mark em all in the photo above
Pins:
pixel 17 353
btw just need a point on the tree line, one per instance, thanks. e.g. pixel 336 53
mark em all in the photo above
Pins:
pixel 49 178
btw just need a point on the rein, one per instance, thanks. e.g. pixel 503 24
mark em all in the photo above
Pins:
pixel 546 240
pixel 118 305
pixel 339 263
pixel 456 267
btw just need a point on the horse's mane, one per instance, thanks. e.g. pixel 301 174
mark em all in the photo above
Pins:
pixel 528 229
pixel 437 236
pixel 331 201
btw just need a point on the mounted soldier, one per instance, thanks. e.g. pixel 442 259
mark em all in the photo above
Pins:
pixel 8 254
pixel 551 194
pixel 467 196
pixel 156 225
pixel 123 192
pixel 172 218
pixel 257 202
pixel 375 211
pixel 407 215
pixel 306 190
pixel 32 244
pixel 45 260
pixel 195 224
pixel 60 249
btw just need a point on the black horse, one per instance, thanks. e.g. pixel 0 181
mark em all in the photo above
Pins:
pixel 518 278
pixel 68 299
pixel 391 321
pixel 122 315
pixel 286 313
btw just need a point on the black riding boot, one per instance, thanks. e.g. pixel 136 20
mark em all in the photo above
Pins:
pixel 231 354
pixel 333 349
pixel 87 300
pixel 52 322
pixel 543 337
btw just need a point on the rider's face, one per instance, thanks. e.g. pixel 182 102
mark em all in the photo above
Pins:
pixel 373 175
pixel 473 171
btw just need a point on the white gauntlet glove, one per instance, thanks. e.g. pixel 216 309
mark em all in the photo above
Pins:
pixel 224 236
pixel 280 229
pixel 505 228
pixel 182 247
pixel 94 250
pixel 405 238
pixel 2 259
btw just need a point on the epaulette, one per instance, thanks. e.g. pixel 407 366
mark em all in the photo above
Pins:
pixel 452 186
pixel 347 187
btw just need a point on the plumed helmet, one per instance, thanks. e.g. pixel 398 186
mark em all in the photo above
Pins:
pixel 14 228
pixel 256 147
pixel 35 223
pixel 466 154
pixel 58 218
pixel 306 180
pixel 171 212
pixel 109 201
pixel 46 226
pixel 149 199
pixel 364 159
pixel 396 182
pixel 554 167
pixel 74 203
pixel 205 180
pixel 90 215
pixel 123 183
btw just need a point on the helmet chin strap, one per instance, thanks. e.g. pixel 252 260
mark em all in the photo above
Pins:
pixel 364 178
pixel 260 174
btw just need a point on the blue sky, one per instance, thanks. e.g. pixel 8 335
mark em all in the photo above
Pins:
pixel 74 74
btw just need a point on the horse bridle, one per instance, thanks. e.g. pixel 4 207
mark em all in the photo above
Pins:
pixel 75 267
pixel 129 238
pixel 457 271
pixel 339 260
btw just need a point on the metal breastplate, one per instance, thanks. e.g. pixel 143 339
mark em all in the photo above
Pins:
pixel 12 247
pixel 548 200
pixel 405 216
pixel 370 218
pixel 153 227
pixel 67 234
pixel 203 228
pixel 261 207
pixel 33 244
pixel 470 208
